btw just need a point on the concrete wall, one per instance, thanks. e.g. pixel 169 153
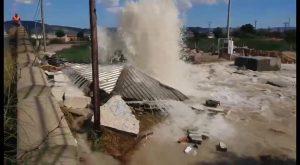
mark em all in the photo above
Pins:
pixel 43 133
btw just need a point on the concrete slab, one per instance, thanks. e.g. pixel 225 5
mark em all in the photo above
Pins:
pixel 58 93
pixel 259 63
pixel 32 81
pixel 75 98
pixel 43 133
pixel 26 59
pixel 117 114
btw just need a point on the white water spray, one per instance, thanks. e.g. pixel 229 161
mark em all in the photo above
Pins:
pixel 149 34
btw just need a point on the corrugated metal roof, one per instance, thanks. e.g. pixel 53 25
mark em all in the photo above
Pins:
pixel 136 85
pixel 81 75
pixel 126 81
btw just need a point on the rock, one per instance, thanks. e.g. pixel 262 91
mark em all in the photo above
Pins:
pixel 117 114
pixel 58 93
pixel 222 147
pixel 75 98
pixel 212 103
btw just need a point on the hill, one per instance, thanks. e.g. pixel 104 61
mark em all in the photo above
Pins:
pixel 30 27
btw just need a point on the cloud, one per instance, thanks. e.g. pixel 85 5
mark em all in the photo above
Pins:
pixel 112 6
pixel 186 4
pixel 48 3
pixel 109 3
pixel 25 1
pixel 115 10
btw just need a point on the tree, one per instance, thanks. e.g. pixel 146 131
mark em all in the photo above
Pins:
pixel 80 34
pixel 247 28
pixel 218 32
pixel 60 33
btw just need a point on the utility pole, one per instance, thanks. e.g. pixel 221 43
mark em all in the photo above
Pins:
pixel 43 23
pixel 209 23
pixel 95 99
pixel 228 18
pixel 255 22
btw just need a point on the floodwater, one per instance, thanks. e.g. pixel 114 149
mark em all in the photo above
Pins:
pixel 259 123
pixel 260 118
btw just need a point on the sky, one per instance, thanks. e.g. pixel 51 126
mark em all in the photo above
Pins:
pixel 268 13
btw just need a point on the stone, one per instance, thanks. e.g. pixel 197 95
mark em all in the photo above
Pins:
pixel 117 114
pixel 259 63
pixel 75 98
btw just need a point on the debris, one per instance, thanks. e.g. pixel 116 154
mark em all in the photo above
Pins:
pixel 212 103
pixel 222 147
pixel 75 98
pixel 198 107
pixel 183 140
pixel 277 84
pixel 276 130
pixel 50 75
pixel 195 138
pixel 215 109
pixel 191 149
pixel 81 111
pixel 204 136
pixel 145 135
pixel 115 113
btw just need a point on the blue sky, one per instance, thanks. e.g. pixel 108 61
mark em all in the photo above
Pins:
pixel 268 13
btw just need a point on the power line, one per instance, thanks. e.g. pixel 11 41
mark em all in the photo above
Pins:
pixel 37 10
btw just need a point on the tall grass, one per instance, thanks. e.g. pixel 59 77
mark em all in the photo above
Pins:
pixel 10 112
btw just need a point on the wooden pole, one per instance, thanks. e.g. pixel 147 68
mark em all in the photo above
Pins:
pixel 95 71
pixel 43 23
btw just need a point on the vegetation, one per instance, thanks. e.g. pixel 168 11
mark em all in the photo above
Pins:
pixel 218 32
pixel 77 53
pixel 10 113
pixel 246 35
pixel 80 35
pixel 60 33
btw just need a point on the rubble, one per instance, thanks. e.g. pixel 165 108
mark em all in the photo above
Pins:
pixel 75 98
pixel 191 149
pixel 212 103
pixel 115 113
